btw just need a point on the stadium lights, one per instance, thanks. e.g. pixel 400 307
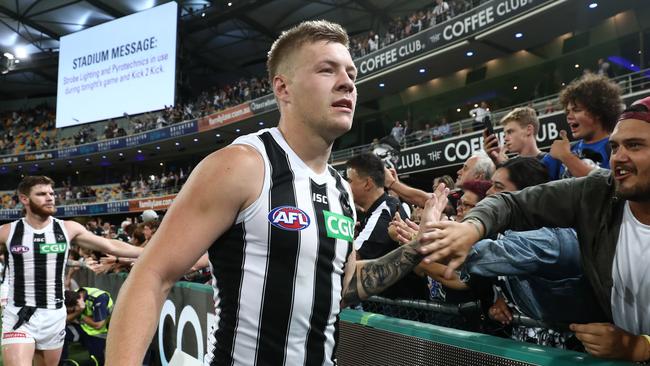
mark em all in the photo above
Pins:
pixel 593 5
pixel 21 52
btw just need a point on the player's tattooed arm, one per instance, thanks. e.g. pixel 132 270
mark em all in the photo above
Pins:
pixel 374 276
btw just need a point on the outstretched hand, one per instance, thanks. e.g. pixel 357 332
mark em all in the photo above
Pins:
pixel 445 240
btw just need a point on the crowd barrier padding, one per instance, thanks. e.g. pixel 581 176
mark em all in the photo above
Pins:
pixel 364 338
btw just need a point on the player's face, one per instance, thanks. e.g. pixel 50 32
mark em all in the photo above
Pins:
pixel 583 124
pixel 630 159
pixel 514 137
pixel 321 90
pixel 40 200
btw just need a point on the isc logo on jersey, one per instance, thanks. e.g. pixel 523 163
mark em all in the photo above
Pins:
pixel 52 248
pixel 289 218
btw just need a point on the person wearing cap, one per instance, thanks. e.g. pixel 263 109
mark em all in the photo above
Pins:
pixel 610 211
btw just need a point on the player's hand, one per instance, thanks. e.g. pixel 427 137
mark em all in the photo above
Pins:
pixel 561 148
pixel 402 231
pixel 492 148
pixel 500 311
pixel 609 341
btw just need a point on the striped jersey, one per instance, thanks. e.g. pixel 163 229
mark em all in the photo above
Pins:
pixel 278 271
pixel 36 264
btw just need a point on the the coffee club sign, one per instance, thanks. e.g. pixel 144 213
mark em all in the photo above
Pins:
pixel 455 150
pixel 472 22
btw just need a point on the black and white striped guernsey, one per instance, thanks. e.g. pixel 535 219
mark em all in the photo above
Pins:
pixel 278 271
pixel 36 264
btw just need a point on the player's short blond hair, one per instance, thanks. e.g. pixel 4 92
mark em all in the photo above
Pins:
pixel 305 32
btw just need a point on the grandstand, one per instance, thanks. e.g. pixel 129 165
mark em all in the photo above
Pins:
pixel 415 65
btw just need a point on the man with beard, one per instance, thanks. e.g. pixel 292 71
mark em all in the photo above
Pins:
pixel 33 322
pixel 610 211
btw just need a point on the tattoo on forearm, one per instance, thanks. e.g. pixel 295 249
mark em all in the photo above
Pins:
pixel 377 275
pixel 351 294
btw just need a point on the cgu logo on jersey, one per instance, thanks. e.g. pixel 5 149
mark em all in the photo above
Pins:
pixel 289 218
pixel 52 248
pixel 19 249
pixel 339 226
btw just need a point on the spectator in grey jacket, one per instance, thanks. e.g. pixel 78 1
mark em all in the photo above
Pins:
pixel 610 211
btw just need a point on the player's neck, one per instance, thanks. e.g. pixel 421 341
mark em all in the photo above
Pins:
pixel 312 149
pixel 641 211
pixel 37 221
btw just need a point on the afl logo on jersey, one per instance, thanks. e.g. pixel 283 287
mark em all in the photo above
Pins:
pixel 289 218
pixel 19 249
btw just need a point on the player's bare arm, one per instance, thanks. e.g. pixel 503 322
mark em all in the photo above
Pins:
pixel 4 234
pixel 80 236
pixel 371 277
pixel 208 203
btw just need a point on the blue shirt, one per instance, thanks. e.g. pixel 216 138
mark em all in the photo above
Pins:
pixel 595 154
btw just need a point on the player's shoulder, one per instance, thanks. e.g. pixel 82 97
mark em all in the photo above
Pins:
pixel 72 227
pixel 5 229
pixel 234 158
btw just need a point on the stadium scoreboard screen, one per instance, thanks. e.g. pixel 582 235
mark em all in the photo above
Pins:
pixel 127 65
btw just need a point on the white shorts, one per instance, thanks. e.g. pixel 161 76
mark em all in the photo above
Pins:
pixel 46 328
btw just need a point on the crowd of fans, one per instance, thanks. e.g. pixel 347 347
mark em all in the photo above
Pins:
pixel 141 186
pixel 402 27
pixel 34 129
pixel 539 261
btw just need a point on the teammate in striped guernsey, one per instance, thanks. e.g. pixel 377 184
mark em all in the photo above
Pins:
pixel 33 321
pixel 276 221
